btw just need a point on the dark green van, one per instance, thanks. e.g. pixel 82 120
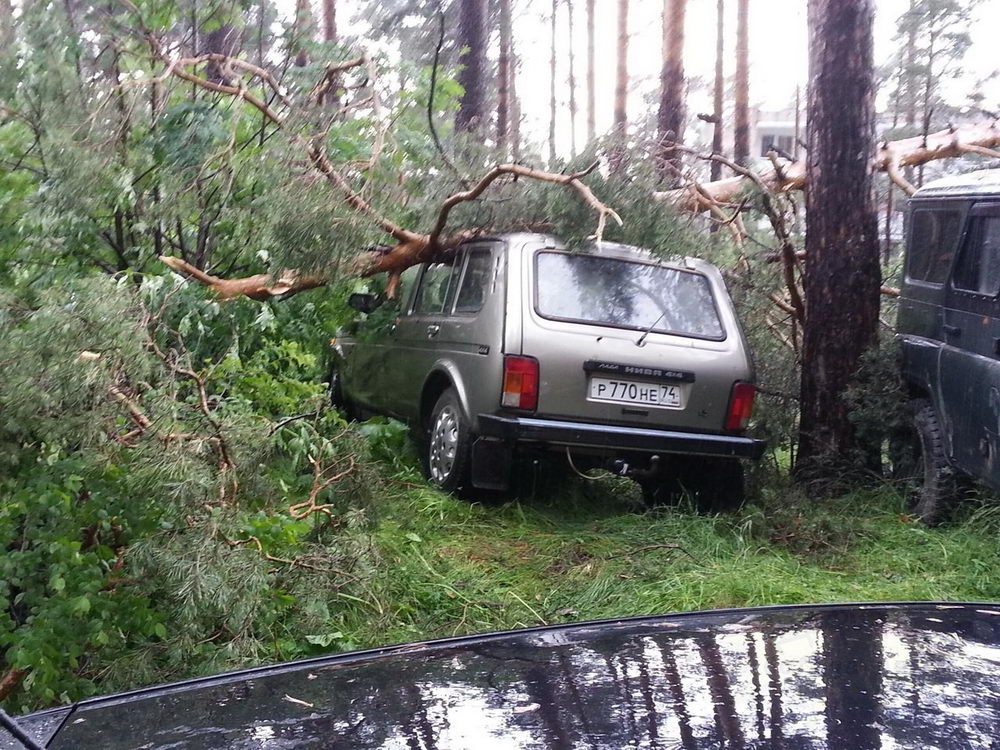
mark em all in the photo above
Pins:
pixel 949 326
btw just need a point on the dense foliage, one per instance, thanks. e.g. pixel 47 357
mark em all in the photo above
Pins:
pixel 175 495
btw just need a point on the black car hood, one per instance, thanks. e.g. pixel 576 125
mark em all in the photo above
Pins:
pixel 840 676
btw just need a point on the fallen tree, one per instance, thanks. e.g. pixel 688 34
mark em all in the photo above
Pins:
pixel 411 247
pixel 890 157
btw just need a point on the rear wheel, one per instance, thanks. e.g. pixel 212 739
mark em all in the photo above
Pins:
pixel 448 444
pixel 921 463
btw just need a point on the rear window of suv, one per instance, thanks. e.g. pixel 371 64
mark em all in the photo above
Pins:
pixel 625 294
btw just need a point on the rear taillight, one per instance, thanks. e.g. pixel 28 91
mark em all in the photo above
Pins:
pixel 740 406
pixel 520 383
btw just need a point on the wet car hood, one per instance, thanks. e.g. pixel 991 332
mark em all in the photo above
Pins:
pixel 840 676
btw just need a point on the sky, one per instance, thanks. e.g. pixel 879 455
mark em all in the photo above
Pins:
pixel 778 54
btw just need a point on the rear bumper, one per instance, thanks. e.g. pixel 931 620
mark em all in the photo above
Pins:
pixel 583 435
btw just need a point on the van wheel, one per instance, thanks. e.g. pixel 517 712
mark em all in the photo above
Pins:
pixel 930 481
pixel 715 485
pixel 448 444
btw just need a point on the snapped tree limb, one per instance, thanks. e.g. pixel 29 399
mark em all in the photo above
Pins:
pixel 890 157
pixel 411 247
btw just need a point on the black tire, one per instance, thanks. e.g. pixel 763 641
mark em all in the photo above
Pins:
pixel 337 398
pixel 713 485
pixel 448 445
pixel 932 485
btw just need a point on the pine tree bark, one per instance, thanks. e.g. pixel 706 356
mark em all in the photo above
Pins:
pixel 670 119
pixel 720 85
pixel 6 25
pixel 305 28
pixel 572 81
pixel 329 21
pixel 842 276
pixel 515 105
pixel 621 78
pixel 591 86
pixel 472 40
pixel 224 40
pixel 504 77
pixel 552 84
pixel 741 103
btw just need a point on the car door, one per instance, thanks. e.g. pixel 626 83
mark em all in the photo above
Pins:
pixel 970 359
pixel 415 337
pixel 371 363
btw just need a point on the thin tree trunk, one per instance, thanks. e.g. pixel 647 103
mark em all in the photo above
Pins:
pixel 741 114
pixel 670 119
pixel 329 21
pixel 591 95
pixel 621 79
pixel 572 81
pixel 842 277
pixel 515 105
pixel 911 82
pixel 552 85
pixel 305 28
pixel 472 39
pixel 7 25
pixel 504 78
pixel 720 85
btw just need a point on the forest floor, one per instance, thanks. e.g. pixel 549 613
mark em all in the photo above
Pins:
pixel 591 550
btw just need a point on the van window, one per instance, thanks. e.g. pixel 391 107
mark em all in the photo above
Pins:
pixel 625 294
pixel 978 267
pixel 932 244
pixel 435 292
pixel 475 283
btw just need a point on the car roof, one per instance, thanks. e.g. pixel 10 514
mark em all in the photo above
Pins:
pixel 604 248
pixel 845 675
pixel 982 182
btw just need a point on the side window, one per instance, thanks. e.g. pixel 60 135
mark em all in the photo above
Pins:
pixel 435 290
pixel 475 282
pixel 933 237
pixel 978 268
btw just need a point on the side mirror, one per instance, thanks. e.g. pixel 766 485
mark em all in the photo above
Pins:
pixel 365 303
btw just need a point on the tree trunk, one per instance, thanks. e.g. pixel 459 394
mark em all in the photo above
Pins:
pixel 591 95
pixel 621 80
pixel 741 114
pixel 552 85
pixel 224 40
pixel 305 28
pixel 572 81
pixel 504 78
pixel 720 85
pixel 329 21
pixel 472 40
pixel 842 277
pixel 515 105
pixel 670 120
pixel 7 25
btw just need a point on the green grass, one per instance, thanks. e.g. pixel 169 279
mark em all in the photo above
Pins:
pixel 447 567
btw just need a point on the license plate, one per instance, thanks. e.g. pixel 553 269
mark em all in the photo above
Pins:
pixel 660 395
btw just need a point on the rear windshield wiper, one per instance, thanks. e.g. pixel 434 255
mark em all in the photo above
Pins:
pixel 17 732
pixel 649 330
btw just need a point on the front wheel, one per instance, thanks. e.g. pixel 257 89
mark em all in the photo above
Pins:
pixel 449 441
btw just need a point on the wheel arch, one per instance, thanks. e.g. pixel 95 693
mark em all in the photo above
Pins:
pixel 443 375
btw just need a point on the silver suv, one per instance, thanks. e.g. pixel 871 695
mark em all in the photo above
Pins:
pixel 606 356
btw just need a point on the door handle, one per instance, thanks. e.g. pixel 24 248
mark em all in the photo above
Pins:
pixel 432 330
pixel 952 330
